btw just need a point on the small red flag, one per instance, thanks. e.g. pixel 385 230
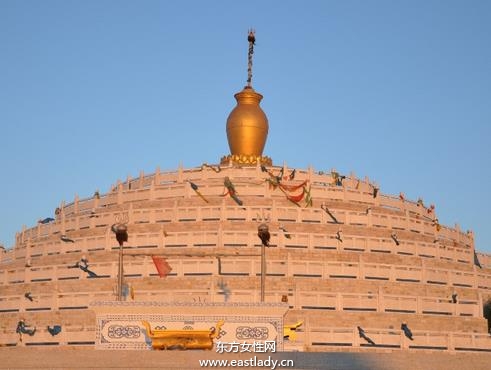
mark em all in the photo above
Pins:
pixel 162 266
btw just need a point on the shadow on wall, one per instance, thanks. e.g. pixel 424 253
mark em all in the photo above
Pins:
pixel 487 313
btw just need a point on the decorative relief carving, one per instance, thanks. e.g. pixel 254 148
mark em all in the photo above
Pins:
pixel 119 331
pixel 248 332
pixel 113 329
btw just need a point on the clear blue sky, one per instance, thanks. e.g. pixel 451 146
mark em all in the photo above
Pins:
pixel 93 91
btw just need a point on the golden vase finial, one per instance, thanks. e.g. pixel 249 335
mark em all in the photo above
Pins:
pixel 247 124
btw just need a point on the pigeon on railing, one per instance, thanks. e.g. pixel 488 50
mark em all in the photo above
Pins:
pixel 324 207
pixel 375 191
pixel 394 238
pixel 338 236
pixel 407 331
pixel 285 232
pixel 46 220
pixel 362 334
pixel 454 297
pixel 55 330
pixel 83 265
pixel 22 328
pixel 292 175
pixel 66 239
pixel 224 289
pixel 476 260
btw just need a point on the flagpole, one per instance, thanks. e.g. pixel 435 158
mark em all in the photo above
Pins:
pixel 121 231
pixel 263 233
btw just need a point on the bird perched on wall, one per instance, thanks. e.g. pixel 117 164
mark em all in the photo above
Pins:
pixel 324 207
pixel 476 260
pixel 338 236
pixel 292 174
pixel 406 330
pixel 224 289
pixel 23 328
pixel 83 265
pixel 29 296
pixel 394 238
pixel 454 297
pixel 375 191
pixel 338 179
pixel 280 174
pixel 285 232
pixel 437 225
pixel 66 239
pixel 263 233
pixel 55 330
pixel 47 220
pixel 362 334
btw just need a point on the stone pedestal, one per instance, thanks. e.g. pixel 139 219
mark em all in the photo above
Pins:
pixel 119 324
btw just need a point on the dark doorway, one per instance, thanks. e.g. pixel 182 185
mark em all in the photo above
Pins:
pixel 487 313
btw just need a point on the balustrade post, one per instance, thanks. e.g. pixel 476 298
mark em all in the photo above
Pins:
pixel 339 302
pixel 22 234
pixel 119 194
pixel 380 300
pixel 180 173
pixel 403 340
pixel 141 180
pixel 151 192
pixel 75 204
pixel 418 305
pixel 423 275
pixel 355 338
pixel 480 306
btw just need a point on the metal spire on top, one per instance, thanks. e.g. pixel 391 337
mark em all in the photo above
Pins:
pixel 252 40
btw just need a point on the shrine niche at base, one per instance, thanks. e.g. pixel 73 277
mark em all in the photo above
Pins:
pixel 169 326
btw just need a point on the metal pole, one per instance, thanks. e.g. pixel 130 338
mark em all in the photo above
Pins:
pixel 263 270
pixel 120 273
pixel 121 231
pixel 263 233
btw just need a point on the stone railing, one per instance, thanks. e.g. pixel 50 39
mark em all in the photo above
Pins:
pixel 173 185
pixel 63 298
pixel 425 273
pixel 323 338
